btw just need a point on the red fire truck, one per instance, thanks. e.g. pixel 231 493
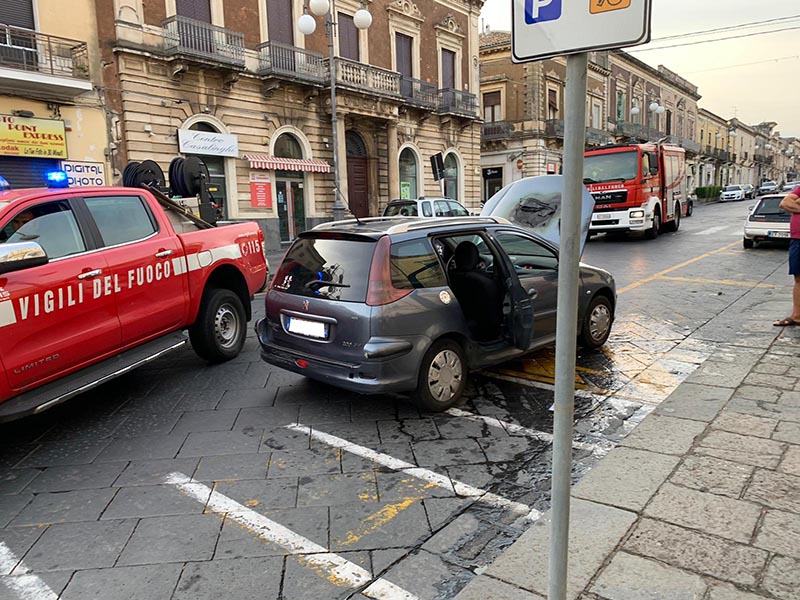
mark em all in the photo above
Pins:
pixel 637 187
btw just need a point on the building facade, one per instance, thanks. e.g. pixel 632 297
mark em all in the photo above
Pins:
pixel 51 114
pixel 238 84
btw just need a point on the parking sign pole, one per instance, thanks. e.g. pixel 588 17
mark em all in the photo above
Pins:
pixel 567 321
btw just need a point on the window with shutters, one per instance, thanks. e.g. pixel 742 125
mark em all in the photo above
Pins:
pixel 348 38
pixel 199 10
pixel 17 13
pixel 448 69
pixel 404 51
pixel 552 103
pixel 280 27
pixel 491 107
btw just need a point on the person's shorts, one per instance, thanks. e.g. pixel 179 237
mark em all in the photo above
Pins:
pixel 794 257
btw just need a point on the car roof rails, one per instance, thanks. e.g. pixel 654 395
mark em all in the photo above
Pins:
pixel 433 222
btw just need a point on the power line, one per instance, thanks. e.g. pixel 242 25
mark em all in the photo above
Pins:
pixel 733 37
pixel 758 62
pixel 727 28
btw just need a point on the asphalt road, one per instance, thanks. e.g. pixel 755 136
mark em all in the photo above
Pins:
pixel 242 481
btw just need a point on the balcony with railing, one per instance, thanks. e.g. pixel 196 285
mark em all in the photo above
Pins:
pixel 199 41
pixel 496 130
pixel 764 159
pixel 419 93
pixel 456 102
pixel 639 132
pixel 554 128
pixel 41 63
pixel 685 143
pixel 366 78
pixel 276 59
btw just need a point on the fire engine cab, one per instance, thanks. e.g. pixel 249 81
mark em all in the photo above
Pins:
pixel 637 188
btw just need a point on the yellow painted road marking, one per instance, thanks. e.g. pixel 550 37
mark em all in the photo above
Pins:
pixel 749 284
pixel 377 520
pixel 636 284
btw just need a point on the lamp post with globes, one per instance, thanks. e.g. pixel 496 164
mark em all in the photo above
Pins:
pixel 307 24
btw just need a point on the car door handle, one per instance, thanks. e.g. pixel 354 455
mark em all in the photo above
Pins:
pixel 164 253
pixel 533 293
pixel 90 274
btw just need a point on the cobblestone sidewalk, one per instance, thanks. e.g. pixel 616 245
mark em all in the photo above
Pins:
pixel 700 502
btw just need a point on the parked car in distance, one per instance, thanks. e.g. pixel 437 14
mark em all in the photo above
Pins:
pixel 96 281
pixel 412 305
pixel 767 187
pixel 749 190
pixel 789 186
pixel 766 221
pixel 425 207
pixel 732 192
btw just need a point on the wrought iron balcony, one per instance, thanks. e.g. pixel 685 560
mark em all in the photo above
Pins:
pixel 283 60
pixel 763 158
pixel 63 62
pixel 366 78
pixel 554 128
pixel 685 143
pixel 497 130
pixel 419 93
pixel 188 38
pixel 639 132
pixel 456 102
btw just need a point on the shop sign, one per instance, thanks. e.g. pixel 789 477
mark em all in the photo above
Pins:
pixel 84 174
pixel 492 172
pixel 260 190
pixel 35 138
pixel 209 144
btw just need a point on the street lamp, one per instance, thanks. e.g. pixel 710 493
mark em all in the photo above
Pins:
pixel 307 25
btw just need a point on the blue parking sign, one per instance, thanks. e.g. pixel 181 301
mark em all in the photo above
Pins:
pixel 539 11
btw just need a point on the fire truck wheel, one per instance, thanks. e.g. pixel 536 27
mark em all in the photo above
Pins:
pixel 676 222
pixel 653 232
pixel 219 332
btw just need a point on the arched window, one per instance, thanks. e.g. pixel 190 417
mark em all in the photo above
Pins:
pixel 451 176
pixel 408 175
pixel 287 146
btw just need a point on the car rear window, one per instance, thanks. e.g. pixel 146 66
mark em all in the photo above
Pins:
pixel 770 206
pixel 404 209
pixel 345 263
pixel 414 265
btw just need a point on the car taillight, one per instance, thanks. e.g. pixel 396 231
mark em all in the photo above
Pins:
pixel 380 290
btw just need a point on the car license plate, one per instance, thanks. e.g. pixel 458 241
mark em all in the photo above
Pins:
pixel 602 217
pixel 313 329
pixel 778 234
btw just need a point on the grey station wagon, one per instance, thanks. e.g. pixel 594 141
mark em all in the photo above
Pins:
pixel 412 305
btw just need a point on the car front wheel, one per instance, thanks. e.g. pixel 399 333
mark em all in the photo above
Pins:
pixel 442 377
pixel 596 323
pixel 219 332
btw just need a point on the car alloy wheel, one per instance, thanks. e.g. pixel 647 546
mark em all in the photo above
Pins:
pixel 445 375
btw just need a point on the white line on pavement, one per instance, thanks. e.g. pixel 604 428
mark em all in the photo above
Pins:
pixel 28 586
pixel 711 230
pixel 597 449
pixel 442 481
pixel 341 570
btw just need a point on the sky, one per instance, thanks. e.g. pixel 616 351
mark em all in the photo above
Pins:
pixel 767 91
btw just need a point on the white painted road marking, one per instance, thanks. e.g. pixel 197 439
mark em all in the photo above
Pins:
pixel 711 230
pixel 457 487
pixel 28 586
pixel 341 571
pixel 596 449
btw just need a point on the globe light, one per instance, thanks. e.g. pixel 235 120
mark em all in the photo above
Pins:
pixel 362 19
pixel 635 111
pixel 653 106
pixel 660 110
pixel 319 7
pixel 306 24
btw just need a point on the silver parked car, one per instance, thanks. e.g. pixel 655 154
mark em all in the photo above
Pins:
pixel 412 305
pixel 767 222
pixel 425 207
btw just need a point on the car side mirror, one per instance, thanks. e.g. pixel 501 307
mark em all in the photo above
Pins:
pixel 21 255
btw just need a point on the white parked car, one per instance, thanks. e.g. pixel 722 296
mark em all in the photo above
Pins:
pixel 732 192
pixel 766 221
pixel 768 187
pixel 425 207
pixel 789 186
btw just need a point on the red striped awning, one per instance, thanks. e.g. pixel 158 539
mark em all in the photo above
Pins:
pixel 265 161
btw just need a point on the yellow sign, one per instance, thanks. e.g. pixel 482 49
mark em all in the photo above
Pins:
pixel 34 138
pixel 601 6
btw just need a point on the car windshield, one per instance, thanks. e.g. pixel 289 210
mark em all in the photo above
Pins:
pixel 615 166
pixel 769 206
pixel 401 209
pixel 333 268
pixel 732 188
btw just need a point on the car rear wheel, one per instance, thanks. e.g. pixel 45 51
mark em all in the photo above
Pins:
pixel 219 332
pixel 596 323
pixel 442 377
pixel 747 243
pixel 676 221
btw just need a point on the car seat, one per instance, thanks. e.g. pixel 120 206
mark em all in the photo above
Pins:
pixel 477 293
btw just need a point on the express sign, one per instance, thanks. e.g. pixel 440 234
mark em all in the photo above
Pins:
pixel 547 28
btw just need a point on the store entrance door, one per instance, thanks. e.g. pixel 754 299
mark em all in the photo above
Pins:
pixel 291 208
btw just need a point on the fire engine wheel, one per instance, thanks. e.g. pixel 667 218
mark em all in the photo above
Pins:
pixel 219 332
pixel 676 222
pixel 653 232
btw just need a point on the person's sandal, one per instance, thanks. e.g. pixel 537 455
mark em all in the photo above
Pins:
pixel 787 322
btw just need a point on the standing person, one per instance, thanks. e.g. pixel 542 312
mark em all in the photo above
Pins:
pixel 791 204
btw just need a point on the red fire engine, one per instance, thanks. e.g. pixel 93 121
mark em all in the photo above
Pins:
pixel 637 187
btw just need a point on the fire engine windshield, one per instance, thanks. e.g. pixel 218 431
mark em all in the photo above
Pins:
pixel 614 166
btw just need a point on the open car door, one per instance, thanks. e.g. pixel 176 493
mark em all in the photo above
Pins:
pixel 535 204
